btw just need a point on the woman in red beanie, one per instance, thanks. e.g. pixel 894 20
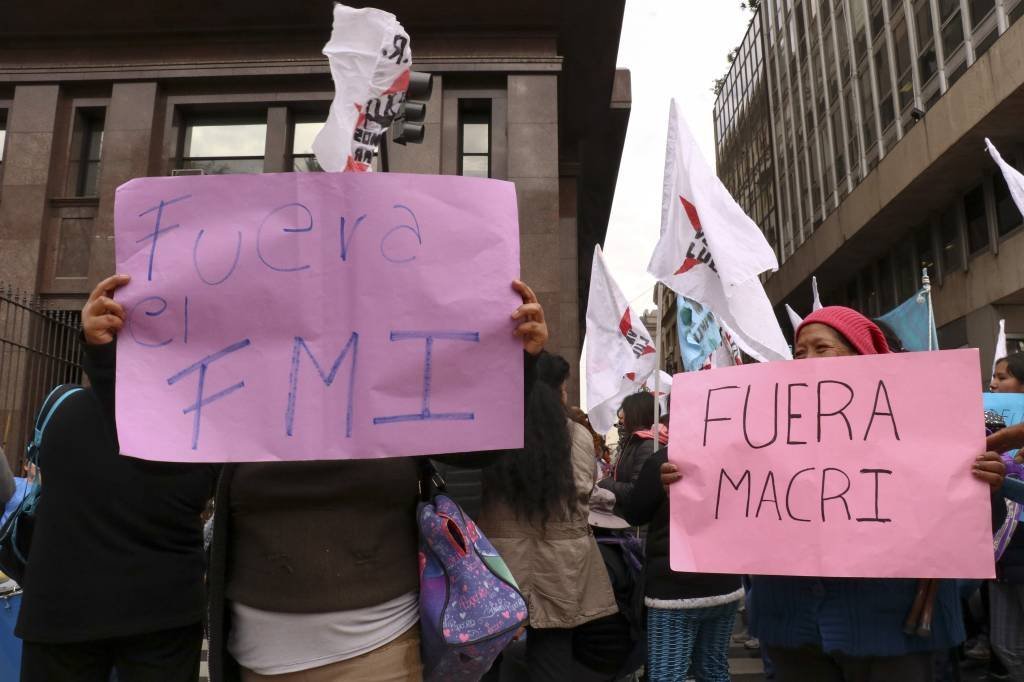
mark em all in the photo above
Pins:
pixel 847 629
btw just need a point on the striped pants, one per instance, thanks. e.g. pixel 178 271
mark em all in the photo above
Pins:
pixel 1007 628
pixel 683 643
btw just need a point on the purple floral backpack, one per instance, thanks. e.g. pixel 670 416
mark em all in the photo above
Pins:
pixel 470 605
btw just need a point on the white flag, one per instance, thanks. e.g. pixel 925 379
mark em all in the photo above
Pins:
pixel 711 252
pixel 1014 178
pixel 1000 346
pixel 663 388
pixel 370 56
pixel 816 303
pixel 620 351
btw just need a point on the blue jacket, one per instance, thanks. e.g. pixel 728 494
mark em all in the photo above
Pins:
pixel 854 616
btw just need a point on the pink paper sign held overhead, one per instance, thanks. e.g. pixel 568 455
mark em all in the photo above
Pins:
pixel 842 467
pixel 317 316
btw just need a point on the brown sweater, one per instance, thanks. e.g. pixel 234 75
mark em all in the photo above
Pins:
pixel 294 545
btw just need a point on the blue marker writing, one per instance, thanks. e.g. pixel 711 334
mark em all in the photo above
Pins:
pixel 328 379
pixel 201 400
pixel 425 414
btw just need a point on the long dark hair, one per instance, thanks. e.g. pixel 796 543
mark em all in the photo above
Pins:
pixel 553 370
pixel 638 412
pixel 1014 365
pixel 538 482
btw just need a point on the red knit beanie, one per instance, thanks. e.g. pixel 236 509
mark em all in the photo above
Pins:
pixel 861 333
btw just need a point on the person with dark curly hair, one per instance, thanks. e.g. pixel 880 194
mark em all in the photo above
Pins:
pixel 535 512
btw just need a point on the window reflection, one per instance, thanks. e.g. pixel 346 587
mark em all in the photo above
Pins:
pixel 224 147
pixel 303 134
pixel 475 137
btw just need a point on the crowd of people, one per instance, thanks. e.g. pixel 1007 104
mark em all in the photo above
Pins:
pixel 311 573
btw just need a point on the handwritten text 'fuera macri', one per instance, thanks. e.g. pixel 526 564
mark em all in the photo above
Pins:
pixel 802 415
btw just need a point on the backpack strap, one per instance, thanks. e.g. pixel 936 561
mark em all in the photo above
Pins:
pixel 431 480
pixel 57 396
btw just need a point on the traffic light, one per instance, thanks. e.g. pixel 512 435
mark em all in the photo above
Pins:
pixel 408 124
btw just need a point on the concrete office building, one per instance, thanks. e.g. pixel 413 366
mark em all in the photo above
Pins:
pixel 93 95
pixel 853 132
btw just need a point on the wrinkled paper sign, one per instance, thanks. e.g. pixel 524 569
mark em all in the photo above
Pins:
pixel 842 467
pixel 317 316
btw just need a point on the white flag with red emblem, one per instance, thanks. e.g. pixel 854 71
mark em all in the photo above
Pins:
pixel 620 351
pixel 711 252
pixel 370 57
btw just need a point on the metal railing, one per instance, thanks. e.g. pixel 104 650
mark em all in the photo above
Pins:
pixel 39 348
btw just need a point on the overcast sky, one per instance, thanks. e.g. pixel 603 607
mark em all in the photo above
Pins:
pixel 673 48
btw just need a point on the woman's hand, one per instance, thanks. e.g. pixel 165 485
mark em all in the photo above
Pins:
pixel 102 317
pixel 1010 438
pixel 532 329
pixel 669 475
pixel 990 468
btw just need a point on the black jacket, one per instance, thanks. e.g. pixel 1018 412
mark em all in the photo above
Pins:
pixel 117 548
pixel 635 451
pixel 649 504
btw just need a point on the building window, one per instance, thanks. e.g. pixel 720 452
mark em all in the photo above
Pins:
pixel 925 251
pixel 221 146
pixel 928 63
pixel 906 273
pixel 86 149
pixel 303 134
pixel 977 222
pixel 952 245
pixel 980 9
pixel 475 137
pixel 952 27
pixel 1008 217
pixel 886 285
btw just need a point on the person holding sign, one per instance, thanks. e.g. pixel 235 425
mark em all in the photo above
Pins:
pixel 846 629
pixel 313 570
pixel 1006 592
pixel 115 576
pixel 535 512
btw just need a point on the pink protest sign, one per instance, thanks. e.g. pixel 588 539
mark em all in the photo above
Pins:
pixel 843 467
pixel 306 316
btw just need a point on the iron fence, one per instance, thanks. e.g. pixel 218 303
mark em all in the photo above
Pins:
pixel 39 348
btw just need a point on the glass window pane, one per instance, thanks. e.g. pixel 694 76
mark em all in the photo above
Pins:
pixel 475 166
pixel 952 36
pixel 952 258
pixel 3 141
pixel 906 273
pixel 977 223
pixel 225 166
pixel 304 134
pixel 980 9
pixel 94 141
pixel 307 164
pixel 925 251
pixel 219 140
pixel 946 9
pixel 476 138
pixel 887 294
pixel 927 61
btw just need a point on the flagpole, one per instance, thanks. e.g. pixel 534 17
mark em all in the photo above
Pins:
pixel 926 286
pixel 657 366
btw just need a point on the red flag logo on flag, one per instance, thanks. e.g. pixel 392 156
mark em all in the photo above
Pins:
pixel 698 251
